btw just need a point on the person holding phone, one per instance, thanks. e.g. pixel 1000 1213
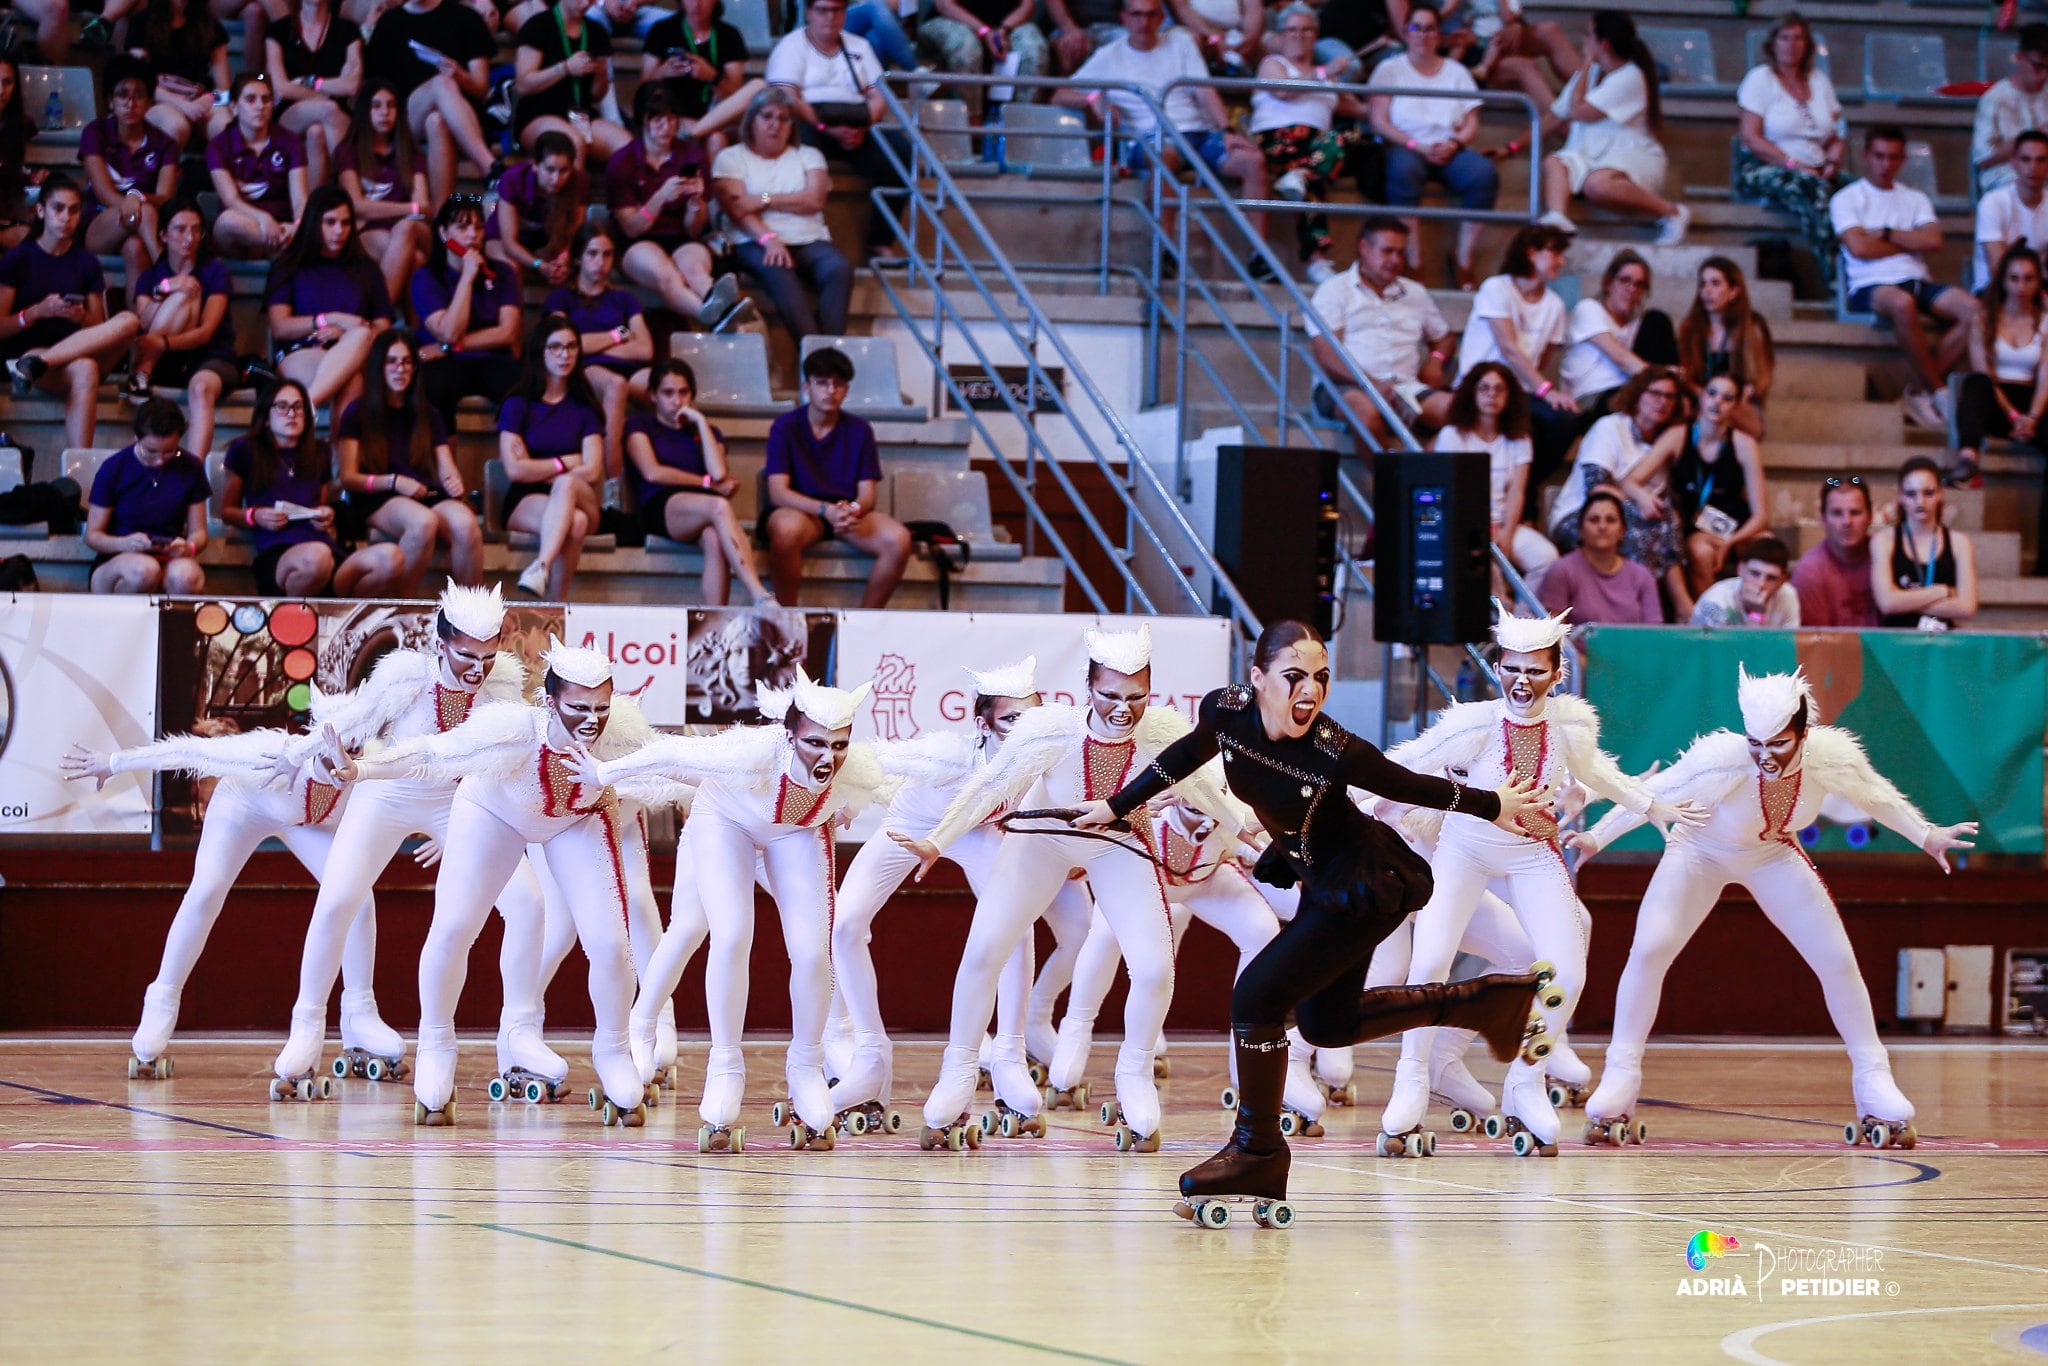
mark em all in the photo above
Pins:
pixel 469 313
pixel 146 517
pixel 655 188
pixel 541 204
pixel 437 54
pixel 563 73
pixel 701 61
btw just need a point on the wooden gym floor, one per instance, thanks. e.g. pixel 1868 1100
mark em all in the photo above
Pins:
pixel 193 1220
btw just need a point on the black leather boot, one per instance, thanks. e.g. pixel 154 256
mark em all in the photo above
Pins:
pixel 1255 1161
pixel 1497 1007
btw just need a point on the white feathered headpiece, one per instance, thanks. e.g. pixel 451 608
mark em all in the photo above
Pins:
pixel 1127 652
pixel 832 708
pixel 1528 635
pixel 773 702
pixel 1770 701
pixel 1011 680
pixel 476 612
pixel 584 668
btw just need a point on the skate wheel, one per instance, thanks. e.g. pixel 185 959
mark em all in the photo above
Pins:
pixel 703 1138
pixel 303 1088
pixel 1545 970
pixel 1909 1137
pixel 1010 1127
pixel 1162 1068
pixel 419 1112
pixel 1551 998
pixel 1524 1143
pixel 1463 1121
pixel 796 1138
pixel 650 1095
pixel 739 1138
pixel 1617 1133
pixel 495 1088
pixel 596 1098
pixel 1290 1124
pixel 973 1138
pixel 1348 1091
pixel 1852 1133
pixel 340 1067
pixel 827 1140
pixel 1038 1074
pixel 374 1069
pixel 1558 1097
pixel 1537 1048
pixel 165 1068
pixel 1212 1214
pixel 1641 1133
pixel 956 1138
pixel 280 1089
pixel 1081 1095
pixel 1428 1146
pixel 1229 1098
pixel 1880 1136
pixel 1416 1145
pixel 1272 1214
pixel 1495 1126
pixel 134 1068
pixel 856 1123
pixel 535 1093
pixel 894 1123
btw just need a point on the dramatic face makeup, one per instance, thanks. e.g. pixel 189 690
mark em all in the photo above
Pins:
pixel 582 712
pixel 1292 689
pixel 819 752
pixel 1525 680
pixel 1117 700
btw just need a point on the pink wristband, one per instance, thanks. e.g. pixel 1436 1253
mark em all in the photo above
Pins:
pixel 561 465
pixel 1411 144
pixel 1543 389
pixel 249 517
pixel 981 32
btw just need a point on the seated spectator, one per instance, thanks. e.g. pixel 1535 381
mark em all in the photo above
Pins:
pixel 1490 414
pixel 259 172
pixel 1833 578
pixel 1922 574
pixel 469 312
pixel 186 341
pixel 1595 583
pixel 1715 486
pixel 1152 61
pixel 1643 410
pixel 145 519
pixel 824 474
pixel 1759 594
pixel 275 483
pixel 835 77
pixel 398 474
pixel 1431 139
pixel 386 178
pixel 52 20
pixel 1723 334
pixel 2012 106
pixel 131 170
pixel 441 96
pixel 1887 231
pixel 1081 26
pixel 326 302
pixel 1296 133
pixel 185 46
pixel 541 204
pixel 1508 51
pixel 551 443
pixel 774 189
pixel 1391 328
pixel 1613 336
pixel 700 61
pixel 54 327
pixel 315 63
pixel 563 73
pixel 1229 32
pixel 2016 213
pixel 15 134
pixel 2004 392
pixel 1612 156
pixel 684 487
pixel 1519 320
pixel 618 346
pixel 874 21
pixel 982 37
pixel 655 188
pixel 1790 151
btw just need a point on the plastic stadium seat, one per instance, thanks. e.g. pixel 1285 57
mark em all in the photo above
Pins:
pixel 877 393
pixel 959 498
pixel 750 17
pixel 81 463
pixel 1026 142
pixel 1753 44
pixel 1918 172
pixel 945 124
pixel 1903 66
pixel 1684 56
pixel 73 86
pixel 1994 53
pixel 732 372
pixel 11 474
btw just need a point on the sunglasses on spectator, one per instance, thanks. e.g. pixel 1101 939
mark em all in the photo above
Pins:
pixel 1835 481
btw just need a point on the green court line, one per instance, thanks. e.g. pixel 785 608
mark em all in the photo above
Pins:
pixel 803 1295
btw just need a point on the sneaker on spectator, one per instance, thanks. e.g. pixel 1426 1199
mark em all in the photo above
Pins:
pixel 24 373
pixel 1261 271
pixel 1554 219
pixel 725 292
pixel 1320 270
pixel 1923 411
pixel 1293 185
pixel 1672 232
pixel 534 582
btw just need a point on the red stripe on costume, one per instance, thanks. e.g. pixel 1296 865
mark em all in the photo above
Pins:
pixel 609 814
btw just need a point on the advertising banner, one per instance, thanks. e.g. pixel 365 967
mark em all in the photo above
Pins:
pixel 698 666
pixel 74 670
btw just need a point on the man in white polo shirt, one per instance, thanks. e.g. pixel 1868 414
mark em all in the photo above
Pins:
pixel 1391 328
pixel 1887 231
pixel 2016 213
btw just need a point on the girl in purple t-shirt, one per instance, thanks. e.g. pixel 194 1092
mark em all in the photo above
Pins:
pixel 275 486
pixel 469 313
pixel 131 168
pixel 540 204
pixel 386 179
pixel 259 172
pixel 326 301
pixel 617 343
pixel 145 519
pixel 684 487
pixel 186 340
pixel 551 443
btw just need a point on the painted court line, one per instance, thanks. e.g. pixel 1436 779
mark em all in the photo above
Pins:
pixel 1742 1344
pixel 67 1098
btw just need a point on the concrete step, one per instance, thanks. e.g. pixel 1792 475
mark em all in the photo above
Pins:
pixel 1814 377
pixel 1792 420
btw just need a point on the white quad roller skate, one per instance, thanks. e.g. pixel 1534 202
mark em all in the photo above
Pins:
pixel 1162 1068
pixel 981 1060
pixel 1065 1088
pixel 433 1077
pixel 369 1048
pixel 1453 1083
pixel 945 1111
pixel 1526 1118
pixel 1134 1114
pixel 1016 1110
pixel 1569 1076
pixel 665 1047
pixel 620 1096
pixel 1401 1132
pixel 808 1112
pixel 725 1083
pixel 1302 1101
pixel 839 1044
pixel 860 1098
pixel 1041 1041
pixel 297 1065
pixel 1886 1115
pixel 1334 1067
pixel 528 1069
pixel 153 1035
pixel 1610 1111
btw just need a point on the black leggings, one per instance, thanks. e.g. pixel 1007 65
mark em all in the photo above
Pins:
pixel 1978 413
pixel 1314 967
pixel 872 164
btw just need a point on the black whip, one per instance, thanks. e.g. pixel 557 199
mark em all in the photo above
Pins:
pixel 1068 813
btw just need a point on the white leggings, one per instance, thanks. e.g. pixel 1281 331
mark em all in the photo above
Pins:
pixel 1226 901
pixel 643 908
pixel 1493 934
pixel 1688 882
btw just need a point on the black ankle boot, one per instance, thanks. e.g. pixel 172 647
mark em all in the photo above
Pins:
pixel 1255 1160
pixel 1497 1007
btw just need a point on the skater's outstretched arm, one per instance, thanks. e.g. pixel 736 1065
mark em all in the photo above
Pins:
pixel 1703 776
pixel 247 756
pixel 744 756
pixel 1596 769
pixel 1032 750
pixel 1837 759
pixel 496 739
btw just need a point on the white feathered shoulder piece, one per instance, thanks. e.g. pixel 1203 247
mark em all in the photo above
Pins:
pixel 496 740
pixel 940 758
pixel 1158 728
pixel 1457 739
pixel 625 730
pixel 1578 731
pixel 748 758
pixel 1032 749
pixel 369 710
pixel 862 781
pixel 1712 766
pixel 1835 759
pixel 506 682
pixel 246 757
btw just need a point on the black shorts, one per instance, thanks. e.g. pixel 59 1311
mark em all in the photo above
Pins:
pixel 515 494
pixel 175 369
pixel 265 569
pixel 352 515
pixel 37 336
pixel 654 509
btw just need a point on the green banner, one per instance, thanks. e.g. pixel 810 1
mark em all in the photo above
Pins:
pixel 1956 720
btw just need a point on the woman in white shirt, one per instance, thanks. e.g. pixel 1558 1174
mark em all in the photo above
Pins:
pixel 1293 130
pixel 1431 139
pixel 1611 155
pixel 774 191
pixel 1791 148
pixel 1518 320
pixel 1613 336
pixel 1647 406
pixel 2004 392
pixel 835 78
pixel 1490 414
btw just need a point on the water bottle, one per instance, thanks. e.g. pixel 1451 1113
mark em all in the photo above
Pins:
pixel 1467 686
pixel 53 111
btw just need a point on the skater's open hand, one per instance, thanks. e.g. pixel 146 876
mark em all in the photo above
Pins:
pixel 1943 838
pixel 1582 843
pixel 1527 798
pixel 1686 815
pixel 587 767
pixel 429 852
pixel 1094 816
pixel 339 763
pixel 927 852
pixel 81 762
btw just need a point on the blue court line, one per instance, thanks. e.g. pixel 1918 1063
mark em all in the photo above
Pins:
pixel 805 1295
pixel 67 1098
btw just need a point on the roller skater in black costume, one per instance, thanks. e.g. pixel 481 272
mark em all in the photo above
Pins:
pixel 1291 765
